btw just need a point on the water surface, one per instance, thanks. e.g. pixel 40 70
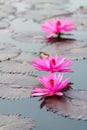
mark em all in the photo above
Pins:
pixel 43 119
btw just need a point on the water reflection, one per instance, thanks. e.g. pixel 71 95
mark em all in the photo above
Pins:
pixel 60 38
pixel 43 120
pixel 68 105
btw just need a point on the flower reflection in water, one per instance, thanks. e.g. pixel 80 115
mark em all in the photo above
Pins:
pixel 72 104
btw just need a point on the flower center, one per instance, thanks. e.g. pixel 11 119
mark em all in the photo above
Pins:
pixel 53 61
pixel 58 23
pixel 51 82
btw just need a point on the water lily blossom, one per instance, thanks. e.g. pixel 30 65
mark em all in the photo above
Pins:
pixel 52 85
pixel 58 26
pixel 53 64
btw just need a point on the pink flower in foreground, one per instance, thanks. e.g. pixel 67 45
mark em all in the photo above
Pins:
pixel 58 26
pixel 51 85
pixel 53 64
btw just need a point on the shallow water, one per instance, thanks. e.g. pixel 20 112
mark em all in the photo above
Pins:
pixel 43 119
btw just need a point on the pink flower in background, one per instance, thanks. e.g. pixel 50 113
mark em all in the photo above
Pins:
pixel 58 26
pixel 51 85
pixel 53 64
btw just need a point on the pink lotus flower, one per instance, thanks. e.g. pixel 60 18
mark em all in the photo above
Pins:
pixel 53 64
pixel 58 26
pixel 52 85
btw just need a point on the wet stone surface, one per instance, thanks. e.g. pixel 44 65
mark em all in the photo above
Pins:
pixel 21 41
